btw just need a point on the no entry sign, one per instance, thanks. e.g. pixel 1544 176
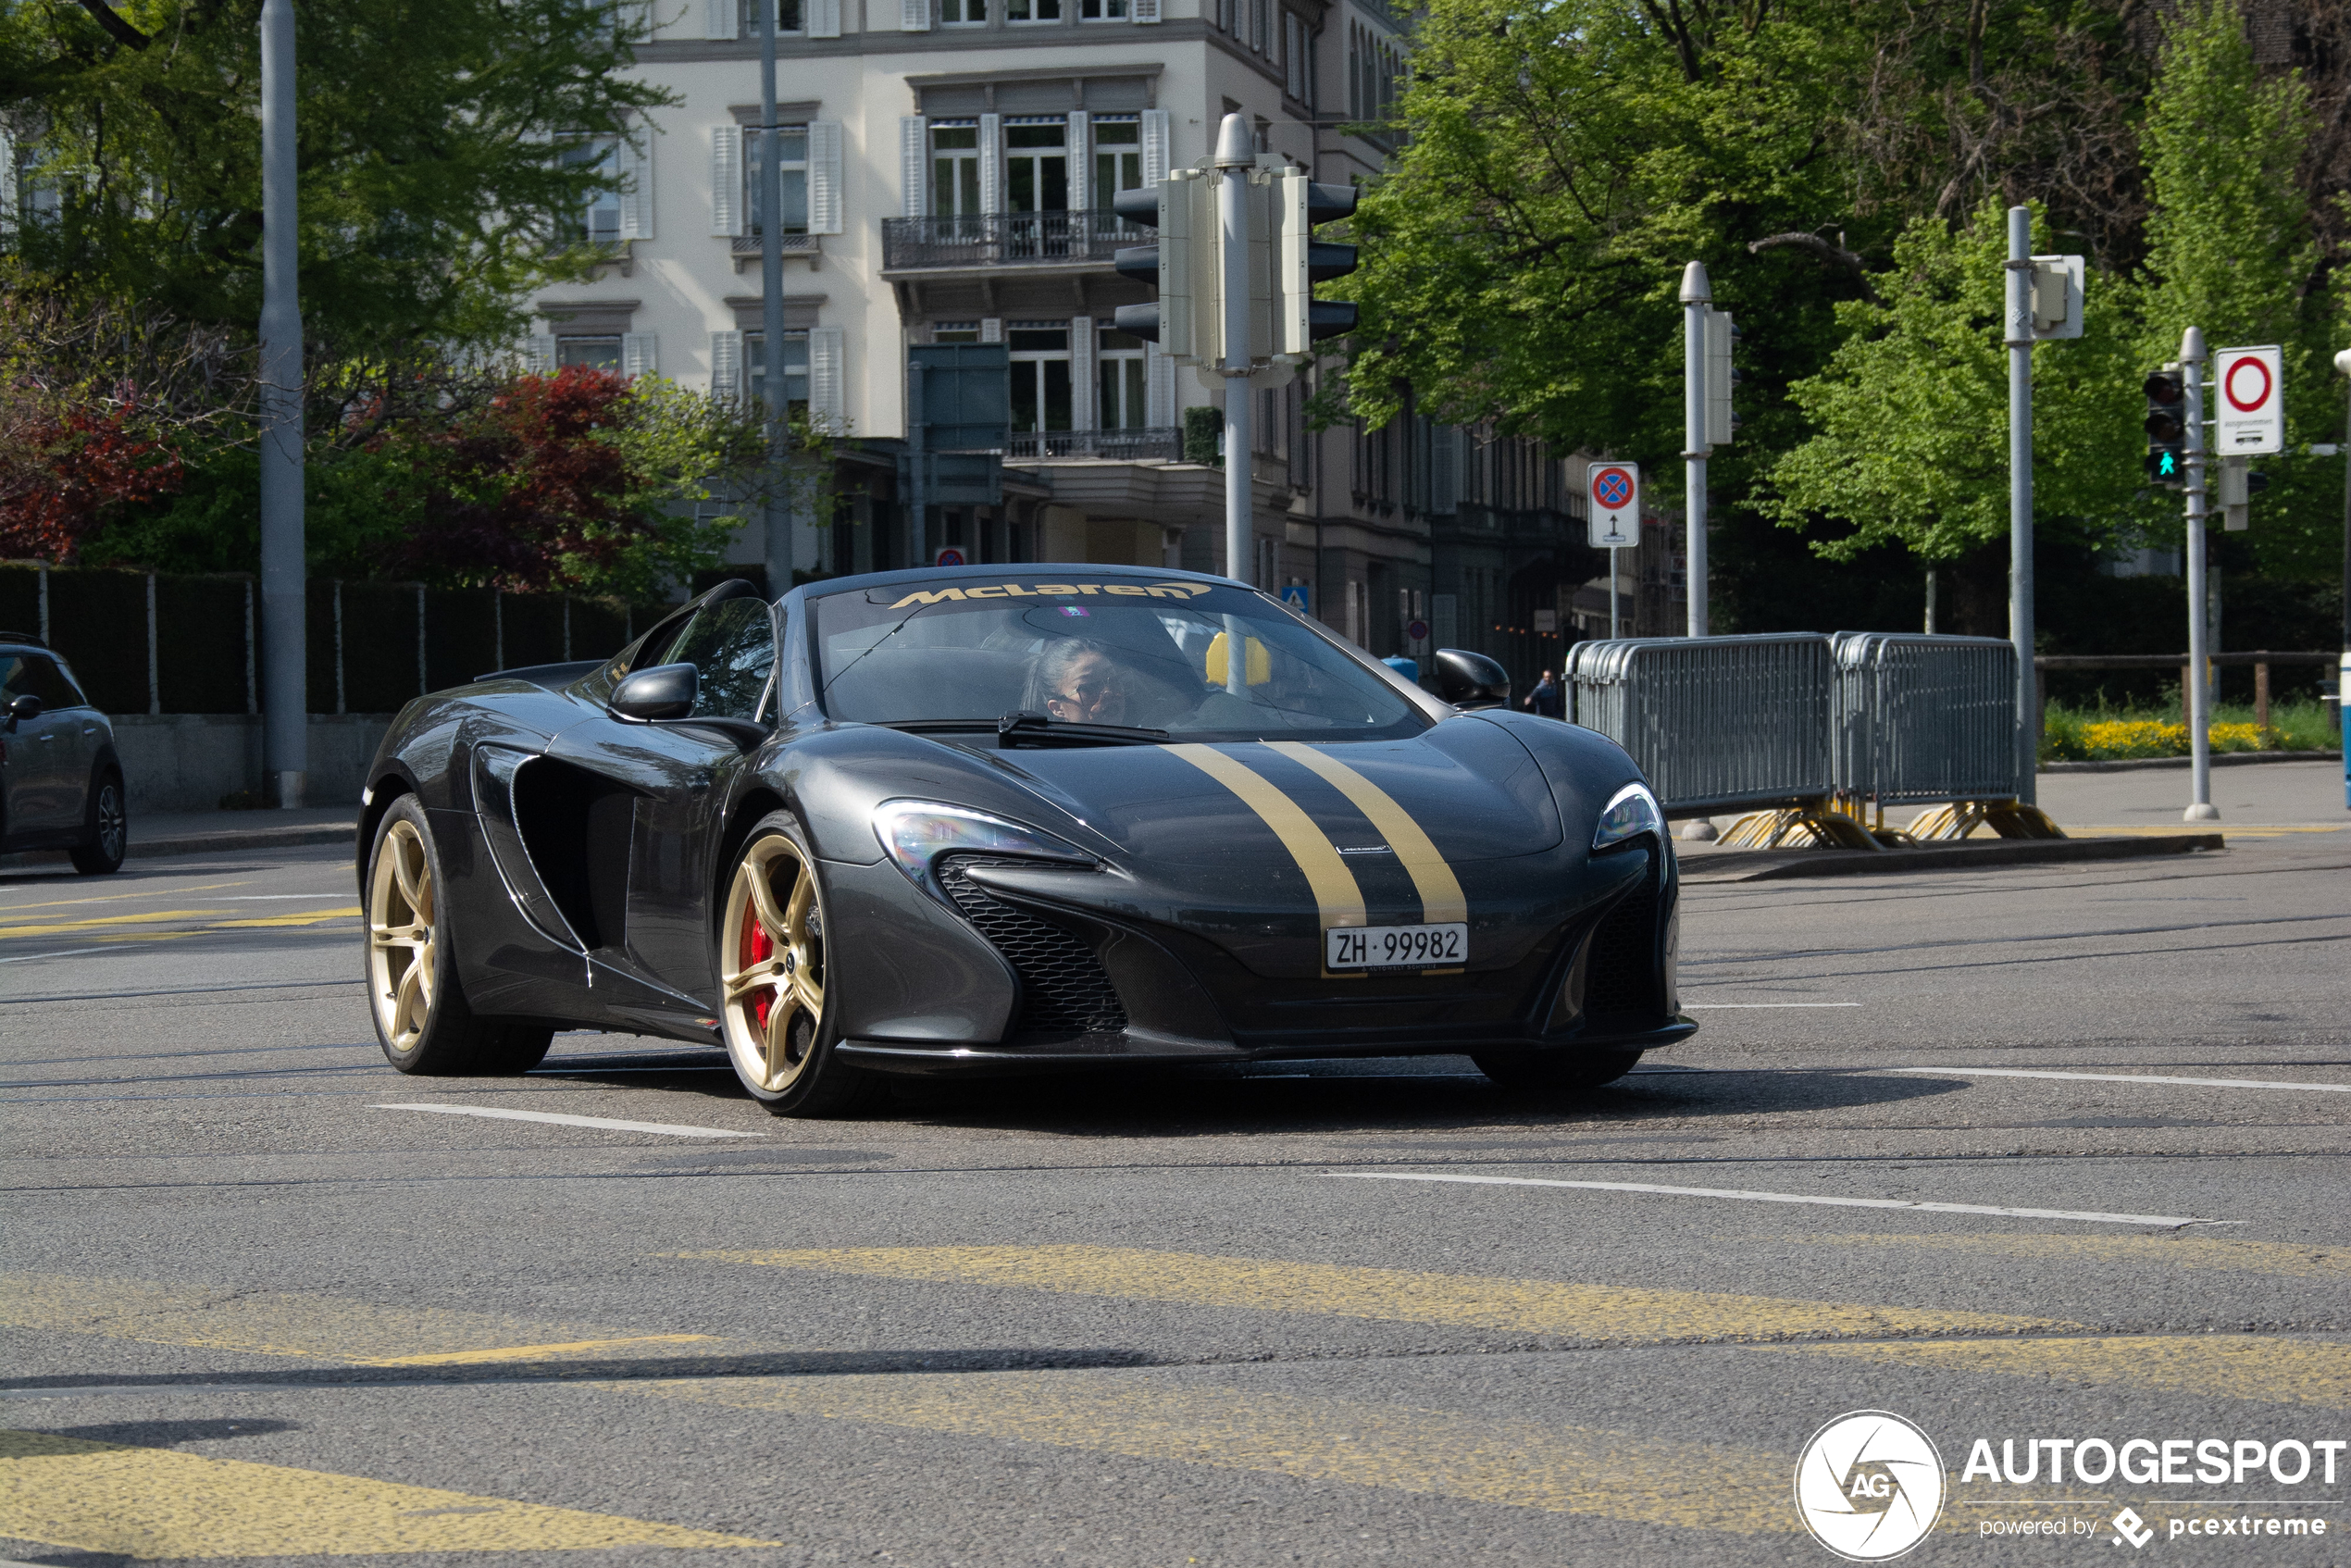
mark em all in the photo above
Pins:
pixel 1615 492
pixel 2248 401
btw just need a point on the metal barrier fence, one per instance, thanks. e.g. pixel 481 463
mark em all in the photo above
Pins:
pixel 1924 718
pixel 1716 724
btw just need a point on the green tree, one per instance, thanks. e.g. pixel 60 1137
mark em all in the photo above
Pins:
pixel 432 145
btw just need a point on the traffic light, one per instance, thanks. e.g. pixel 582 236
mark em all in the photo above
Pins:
pixel 1306 261
pixel 2167 427
pixel 1182 265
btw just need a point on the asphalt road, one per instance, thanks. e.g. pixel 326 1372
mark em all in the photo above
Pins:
pixel 262 1298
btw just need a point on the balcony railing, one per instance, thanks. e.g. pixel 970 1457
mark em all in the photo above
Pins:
pixel 1163 443
pixel 1006 238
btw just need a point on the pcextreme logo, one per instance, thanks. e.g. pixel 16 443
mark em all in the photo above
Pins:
pixel 1868 1486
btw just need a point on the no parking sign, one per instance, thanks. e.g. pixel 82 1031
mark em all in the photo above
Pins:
pixel 1615 514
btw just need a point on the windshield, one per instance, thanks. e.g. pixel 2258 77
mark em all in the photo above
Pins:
pixel 1134 654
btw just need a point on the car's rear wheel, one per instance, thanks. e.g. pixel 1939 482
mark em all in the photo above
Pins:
pixel 422 1019
pixel 106 834
pixel 776 1006
pixel 1557 1071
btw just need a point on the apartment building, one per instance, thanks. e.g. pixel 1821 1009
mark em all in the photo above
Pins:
pixel 948 170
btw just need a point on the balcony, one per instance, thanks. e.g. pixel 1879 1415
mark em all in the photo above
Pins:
pixel 1164 444
pixel 1005 239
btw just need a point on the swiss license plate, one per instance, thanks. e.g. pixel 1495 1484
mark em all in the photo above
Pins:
pixel 1393 947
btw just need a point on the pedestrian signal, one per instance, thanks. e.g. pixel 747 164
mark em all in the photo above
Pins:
pixel 2167 427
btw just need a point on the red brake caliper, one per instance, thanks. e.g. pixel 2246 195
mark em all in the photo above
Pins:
pixel 758 948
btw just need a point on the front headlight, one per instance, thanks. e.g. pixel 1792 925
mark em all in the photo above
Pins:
pixel 915 833
pixel 1631 813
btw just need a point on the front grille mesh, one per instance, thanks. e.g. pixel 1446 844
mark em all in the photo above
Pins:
pixel 1064 989
pixel 1621 977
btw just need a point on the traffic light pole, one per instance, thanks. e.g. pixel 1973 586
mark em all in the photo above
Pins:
pixel 1235 157
pixel 778 529
pixel 2019 345
pixel 1697 295
pixel 285 741
pixel 2200 806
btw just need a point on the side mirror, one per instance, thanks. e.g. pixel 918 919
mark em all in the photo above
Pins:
pixel 662 691
pixel 24 707
pixel 1471 681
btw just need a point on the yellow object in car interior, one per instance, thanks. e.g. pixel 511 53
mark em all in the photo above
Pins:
pixel 1259 669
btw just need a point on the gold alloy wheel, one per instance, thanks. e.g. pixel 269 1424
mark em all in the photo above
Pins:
pixel 772 965
pixel 400 936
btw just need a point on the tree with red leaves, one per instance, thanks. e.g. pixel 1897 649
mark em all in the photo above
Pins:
pixel 63 475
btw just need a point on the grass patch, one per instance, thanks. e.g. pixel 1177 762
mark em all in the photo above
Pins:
pixel 2112 732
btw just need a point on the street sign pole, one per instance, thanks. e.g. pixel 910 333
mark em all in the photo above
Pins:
pixel 2019 345
pixel 771 314
pixel 1236 156
pixel 285 702
pixel 1696 297
pixel 1614 630
pixel 2200 806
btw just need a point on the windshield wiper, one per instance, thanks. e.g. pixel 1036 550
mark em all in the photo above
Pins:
pixel 1036 729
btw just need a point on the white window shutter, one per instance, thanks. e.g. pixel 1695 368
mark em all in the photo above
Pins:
pixel 538 353
pixel 1081 164
pixel 991 163
pixel 640 353
pixel 823 177
pixel 725 364
pixel 720 18
pixel 914 15
pixel 637 183
pixel 913 151
pixel 824 18
pixel 1146 10
pixel 991 328
pixel 726 179
pixel 1082 415
pixel 1159 389
pixel 827 384
pixel 1154 146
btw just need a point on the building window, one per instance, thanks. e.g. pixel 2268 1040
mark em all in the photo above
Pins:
pixel 1260 31
pixel 962 13
pixel 1033 10
pixel 1101 10
pixel 1119 157
pixel 954 332
pixel 795 368
pixel 793 161
pixel 954 169
pixel 1119 361
pixel 596 352
pixel 1040 376
pixel 1294 55
pixel 787 17
pixel 1037 165
pixel 597 220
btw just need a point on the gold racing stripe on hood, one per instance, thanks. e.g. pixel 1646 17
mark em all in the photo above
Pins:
pixel 1336 892
pixel 1440 890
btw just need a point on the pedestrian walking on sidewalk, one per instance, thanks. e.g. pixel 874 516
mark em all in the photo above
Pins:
pixel 1547 699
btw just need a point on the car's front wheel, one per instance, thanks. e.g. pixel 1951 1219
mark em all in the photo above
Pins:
pixel 422 1020
pixel 106 836
pixel 776 1006
pixel 1557 1071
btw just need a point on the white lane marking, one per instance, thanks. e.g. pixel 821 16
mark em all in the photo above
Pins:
pixel 1695 1006
pixel 671 1127
pixel 65 953
pixel 2126 1078
pixel 1794 1198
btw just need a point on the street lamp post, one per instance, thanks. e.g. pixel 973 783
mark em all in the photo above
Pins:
pixel 285 739
pixel 779 528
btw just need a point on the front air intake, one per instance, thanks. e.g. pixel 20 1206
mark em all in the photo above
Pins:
pixel 1063 990
pixel 1621 975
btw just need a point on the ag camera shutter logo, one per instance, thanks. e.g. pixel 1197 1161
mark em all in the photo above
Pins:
pixel 1868 1486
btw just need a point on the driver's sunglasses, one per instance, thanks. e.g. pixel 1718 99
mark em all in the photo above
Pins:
pixel 1086 692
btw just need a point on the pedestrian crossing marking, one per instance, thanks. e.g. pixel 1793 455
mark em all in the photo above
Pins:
pixel 274 1323
pixel 1605 1313
pixel 1449 1453
pixel 155 1502
pixel 2294 1260
pixel 2269 1368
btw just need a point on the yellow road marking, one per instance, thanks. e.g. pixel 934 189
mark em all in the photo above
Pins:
pixel 2234 1366
pixel 1619 1313
pixel 271 1323
pixel 2290 1259
pixel 1448 1453
pixel 303 917
pixel 154 1502
pixel 118 898
pixel 51 928
pixel 1336 895
pixel 537 1352
pixel 1440 890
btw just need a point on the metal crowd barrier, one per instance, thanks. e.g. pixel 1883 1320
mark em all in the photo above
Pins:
pixel 1924 718
pixel 1716 724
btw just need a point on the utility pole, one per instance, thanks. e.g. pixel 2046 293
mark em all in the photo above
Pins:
pixel 771 316
pixel 2019 345
pixel 2200 806
pixel 2343 668
pixel 285 743
pixel 1696 297
pixel 1235 157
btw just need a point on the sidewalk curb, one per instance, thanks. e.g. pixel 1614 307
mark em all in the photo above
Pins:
pixel 1768 865
pixel 2219 759
pixel 238 838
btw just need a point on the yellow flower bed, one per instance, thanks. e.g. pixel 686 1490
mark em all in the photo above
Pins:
pixel 2111 738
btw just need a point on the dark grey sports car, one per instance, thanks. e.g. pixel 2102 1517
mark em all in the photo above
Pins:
pixel 1007 819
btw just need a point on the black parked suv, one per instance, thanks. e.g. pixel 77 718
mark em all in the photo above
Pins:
pixel 60 783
